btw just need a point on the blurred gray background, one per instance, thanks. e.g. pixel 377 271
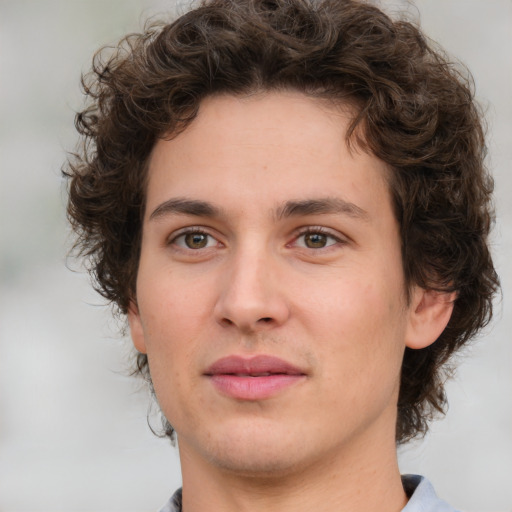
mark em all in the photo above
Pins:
pixel 73 430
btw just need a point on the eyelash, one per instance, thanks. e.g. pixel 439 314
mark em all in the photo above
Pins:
pixel 186 232
pixel 310 230
pixel 319 230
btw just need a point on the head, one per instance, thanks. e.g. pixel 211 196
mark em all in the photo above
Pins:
pixel 406 104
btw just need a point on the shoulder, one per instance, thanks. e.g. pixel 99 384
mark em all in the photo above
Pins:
pixel 422 497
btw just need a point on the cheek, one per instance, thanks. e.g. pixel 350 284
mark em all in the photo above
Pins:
pixel 363 358
pixel 170 345
pixel 166 319
pixel 365 323
pixel 353 300
pixel 170 304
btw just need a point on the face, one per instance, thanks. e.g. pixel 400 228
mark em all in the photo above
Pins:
pixel 270 291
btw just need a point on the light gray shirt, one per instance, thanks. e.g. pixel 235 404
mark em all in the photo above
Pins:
pixel 422 497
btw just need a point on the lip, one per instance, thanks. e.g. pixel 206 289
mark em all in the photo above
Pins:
pixel 255 378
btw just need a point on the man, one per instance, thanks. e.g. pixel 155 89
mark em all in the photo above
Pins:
pixel 287 199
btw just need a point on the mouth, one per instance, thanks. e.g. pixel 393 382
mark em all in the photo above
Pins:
pixel 256 378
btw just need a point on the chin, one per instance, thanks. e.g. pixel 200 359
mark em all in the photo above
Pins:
pixel 256 451
pixel 256 463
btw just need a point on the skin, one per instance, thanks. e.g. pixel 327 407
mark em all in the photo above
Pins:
pixel 323 290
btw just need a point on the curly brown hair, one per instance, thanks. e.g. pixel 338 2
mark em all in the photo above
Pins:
pixel 415 110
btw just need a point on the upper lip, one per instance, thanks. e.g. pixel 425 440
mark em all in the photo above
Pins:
pixel 260 365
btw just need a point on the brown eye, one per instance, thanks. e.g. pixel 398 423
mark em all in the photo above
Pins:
pixel 196 240
pixel 315 240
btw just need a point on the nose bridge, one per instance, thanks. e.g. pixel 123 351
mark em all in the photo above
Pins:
pixel 251 295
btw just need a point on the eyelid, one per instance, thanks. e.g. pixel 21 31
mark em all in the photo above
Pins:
pixel 335 235
pixel 190 230
pixel 339 238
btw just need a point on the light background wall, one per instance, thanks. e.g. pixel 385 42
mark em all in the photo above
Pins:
pixel 73 432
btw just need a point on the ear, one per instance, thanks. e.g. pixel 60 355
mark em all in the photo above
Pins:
pixel 430 312
pixel 136 329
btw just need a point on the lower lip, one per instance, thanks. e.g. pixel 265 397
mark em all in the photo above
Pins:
pixel 253 388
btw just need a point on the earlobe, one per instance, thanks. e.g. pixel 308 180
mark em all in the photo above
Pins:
pixel 430 312
pixel 136 330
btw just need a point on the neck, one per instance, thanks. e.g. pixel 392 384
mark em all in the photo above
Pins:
pixel 362 478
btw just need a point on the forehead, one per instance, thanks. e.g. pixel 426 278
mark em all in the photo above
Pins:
pixel 267 146
pixel 270 119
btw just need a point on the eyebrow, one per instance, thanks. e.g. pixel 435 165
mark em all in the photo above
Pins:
pixel 185 207
pixel 319 206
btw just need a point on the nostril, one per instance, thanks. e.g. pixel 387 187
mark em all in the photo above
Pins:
pixel 266 319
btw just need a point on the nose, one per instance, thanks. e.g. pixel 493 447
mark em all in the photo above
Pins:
pixel 252 296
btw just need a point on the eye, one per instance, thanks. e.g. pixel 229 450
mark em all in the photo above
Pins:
pixel 194 240
pixel 315 239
